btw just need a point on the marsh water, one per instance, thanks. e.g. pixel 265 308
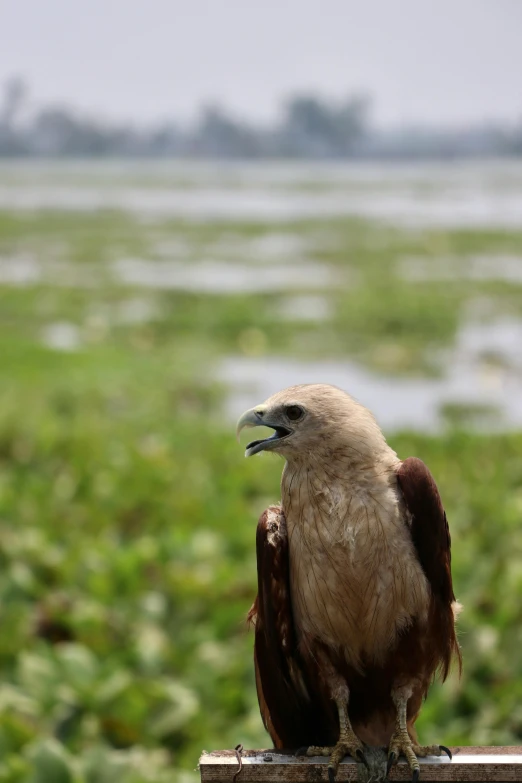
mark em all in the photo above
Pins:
pixel 480 371
pixel 435 194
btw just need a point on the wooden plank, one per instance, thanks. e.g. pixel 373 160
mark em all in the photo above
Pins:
pixel 495 764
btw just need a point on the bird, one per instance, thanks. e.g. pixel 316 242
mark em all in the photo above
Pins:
pixel 355 613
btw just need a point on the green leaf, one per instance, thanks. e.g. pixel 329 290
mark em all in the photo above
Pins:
pixel 50 763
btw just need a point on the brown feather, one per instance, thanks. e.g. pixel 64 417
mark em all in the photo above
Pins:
pixel 293 711
pixel 432 540
pixel 289 716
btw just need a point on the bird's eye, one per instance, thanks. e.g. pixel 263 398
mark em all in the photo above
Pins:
pixel 294 412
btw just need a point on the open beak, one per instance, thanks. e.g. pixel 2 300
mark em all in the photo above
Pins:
pixel 255 418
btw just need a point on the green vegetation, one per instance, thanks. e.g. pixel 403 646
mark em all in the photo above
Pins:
pixel 127 512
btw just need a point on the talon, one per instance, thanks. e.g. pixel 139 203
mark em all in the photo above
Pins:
pixel 301 751
pixel 392 758
pixel 416 775
pixel 359 754
pixel 446 750
pixel 331 774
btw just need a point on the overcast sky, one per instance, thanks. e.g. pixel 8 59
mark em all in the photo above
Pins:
pixel 444 61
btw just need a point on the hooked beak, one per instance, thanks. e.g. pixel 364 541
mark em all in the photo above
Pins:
pixel 255 418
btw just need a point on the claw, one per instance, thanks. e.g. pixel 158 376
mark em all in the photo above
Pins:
pixel 392 758
pixel 301 751
pixel 446 750
pixel 359 755
pixel 416 775
pixel 331 774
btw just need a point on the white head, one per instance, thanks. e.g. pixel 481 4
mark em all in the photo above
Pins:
pixel 316 420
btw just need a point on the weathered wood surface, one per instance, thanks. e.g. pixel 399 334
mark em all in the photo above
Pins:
pixel 274 766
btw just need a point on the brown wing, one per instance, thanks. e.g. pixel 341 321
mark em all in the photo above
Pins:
pixel 431 537
pixel 289 707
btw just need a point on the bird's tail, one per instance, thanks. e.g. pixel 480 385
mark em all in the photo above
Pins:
pixel 377 759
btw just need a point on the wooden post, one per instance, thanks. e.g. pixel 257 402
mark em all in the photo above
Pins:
pixel 278 766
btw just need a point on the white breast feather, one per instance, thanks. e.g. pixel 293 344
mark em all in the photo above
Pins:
pixel 356 581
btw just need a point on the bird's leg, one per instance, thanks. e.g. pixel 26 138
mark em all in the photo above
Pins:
pixel 401 741
pixel 348 744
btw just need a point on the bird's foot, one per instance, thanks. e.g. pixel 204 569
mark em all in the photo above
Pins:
pixel 349 745
pixel 402 743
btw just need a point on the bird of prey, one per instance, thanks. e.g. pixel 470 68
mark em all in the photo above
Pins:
pixel 355 612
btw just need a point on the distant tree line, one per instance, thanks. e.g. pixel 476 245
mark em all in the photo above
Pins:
pixel 310 127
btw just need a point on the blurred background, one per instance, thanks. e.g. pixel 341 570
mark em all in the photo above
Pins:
pixel 200 204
